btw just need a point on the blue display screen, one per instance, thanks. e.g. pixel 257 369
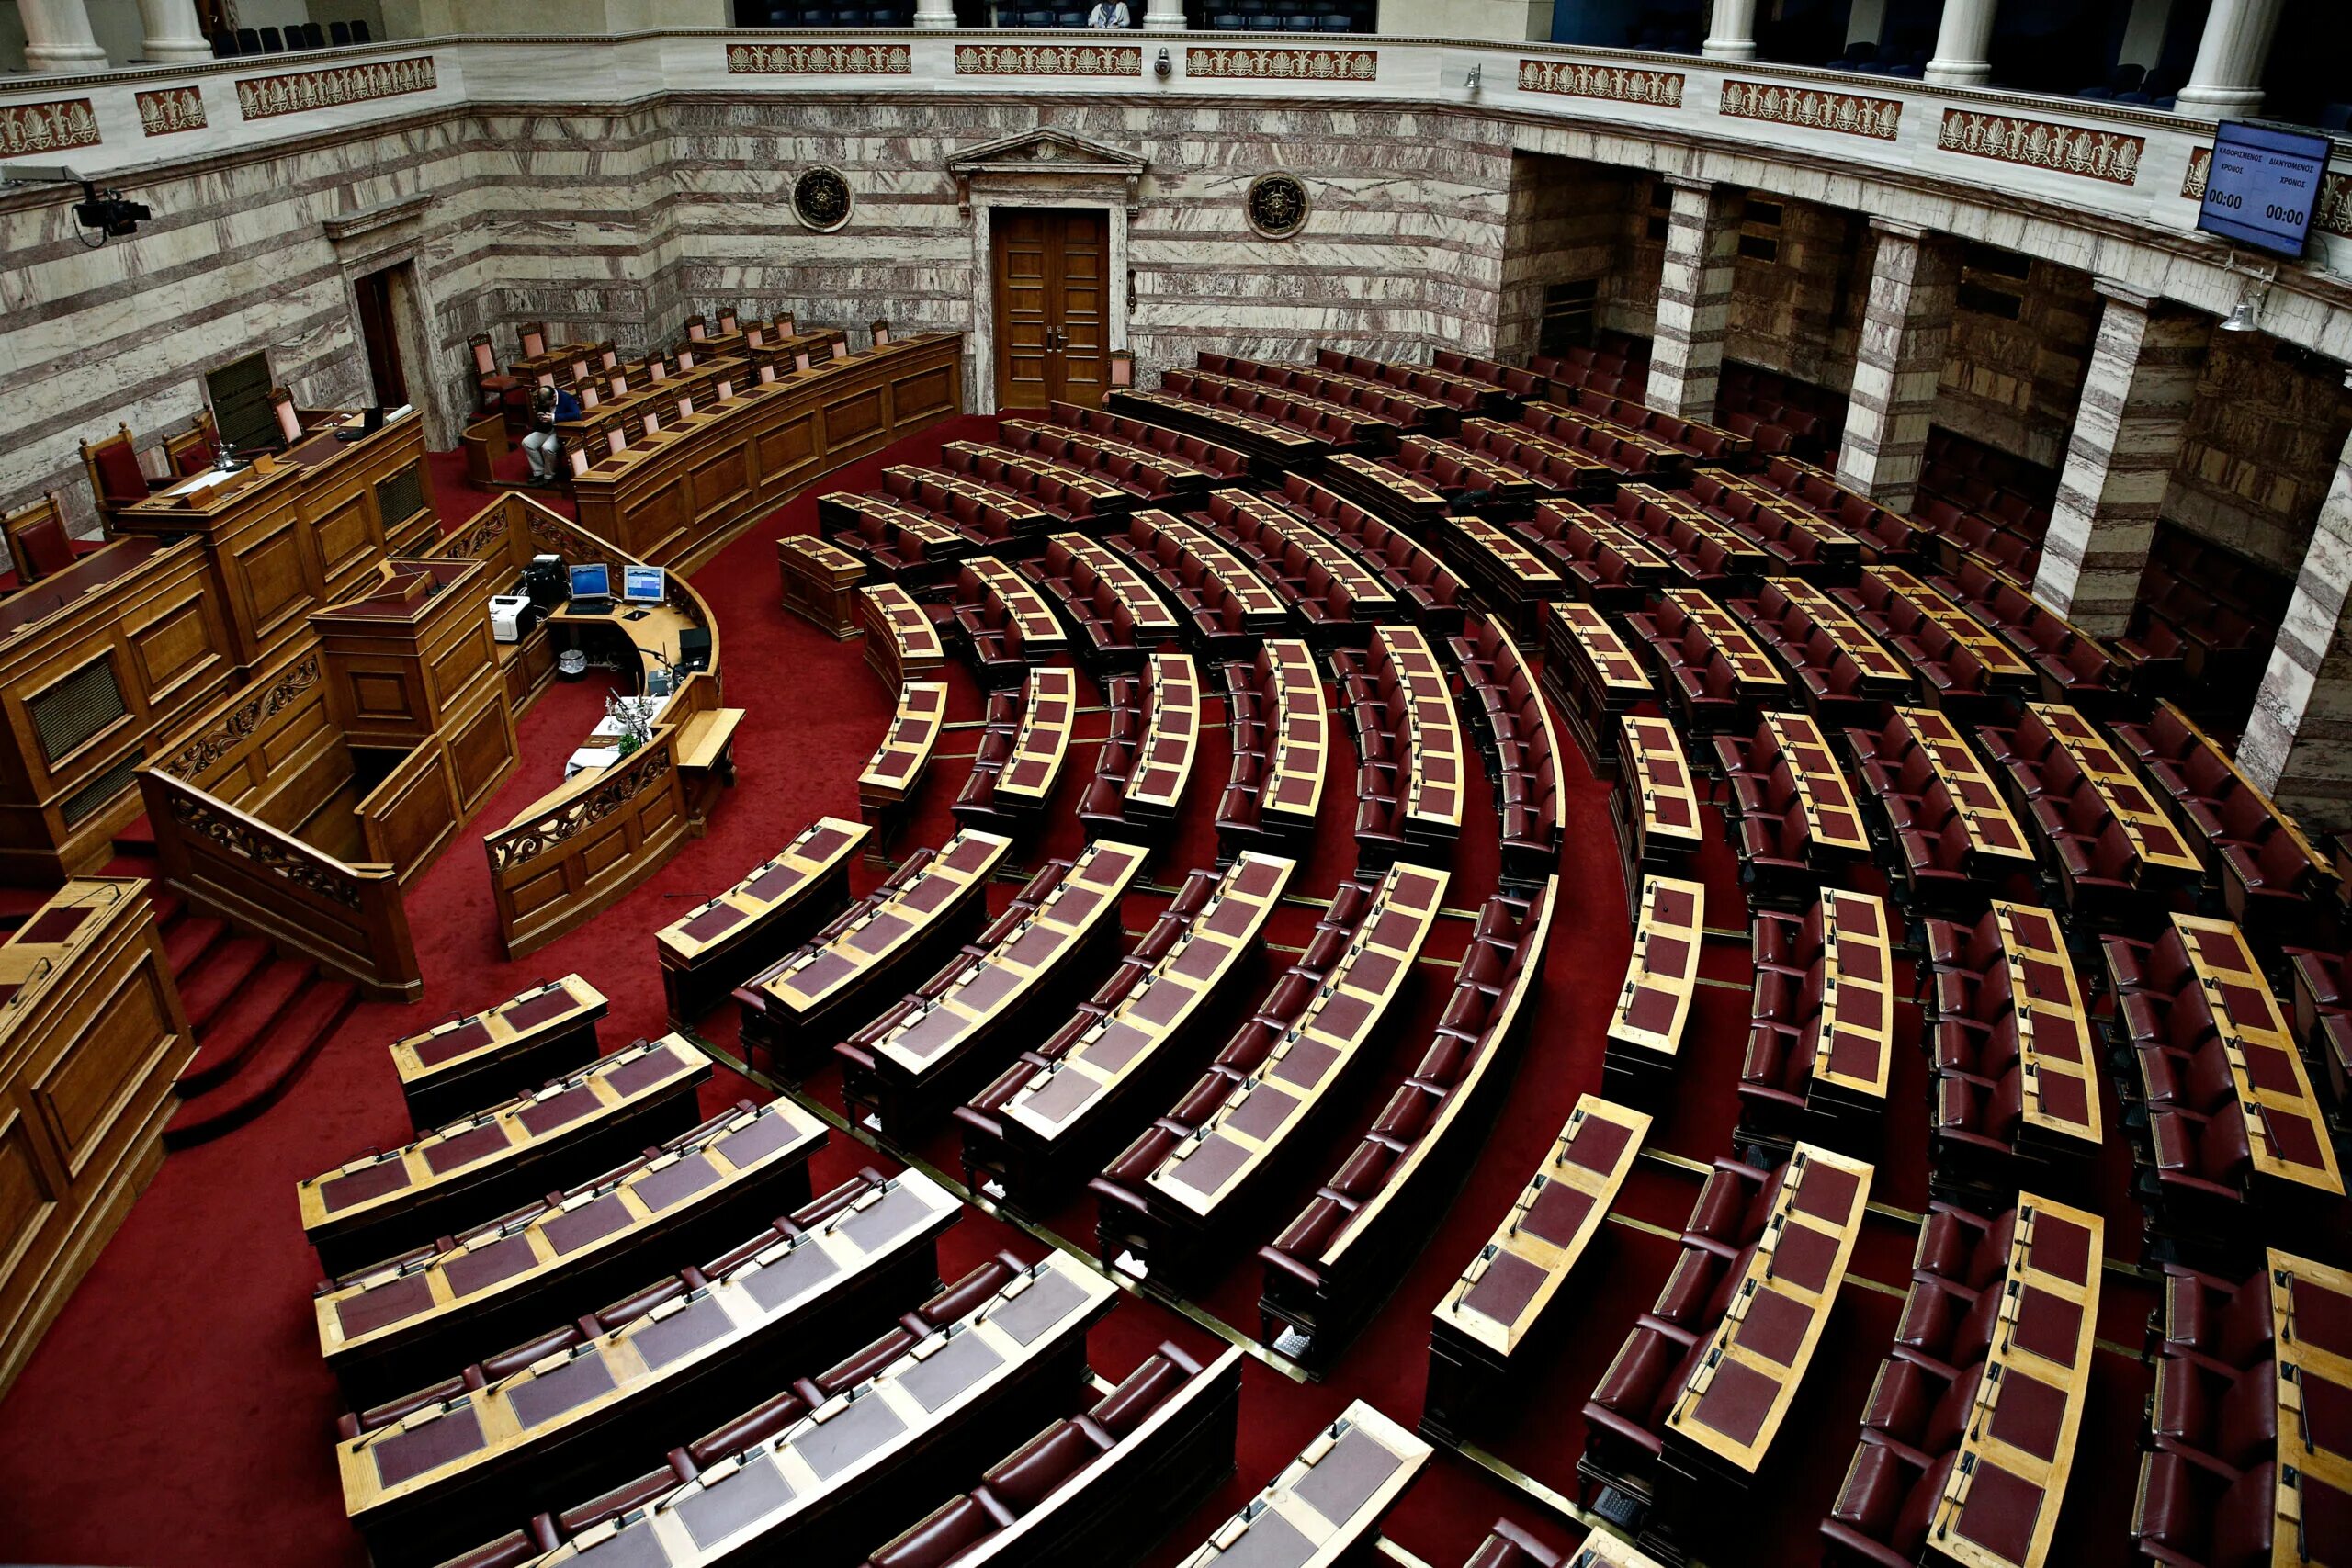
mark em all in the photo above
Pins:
pixel 644 584
pixel 592 582
pixel 2263 186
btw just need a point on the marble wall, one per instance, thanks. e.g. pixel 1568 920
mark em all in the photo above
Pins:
pixel 621 224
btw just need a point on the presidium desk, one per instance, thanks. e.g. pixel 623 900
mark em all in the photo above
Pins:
pixel 205 582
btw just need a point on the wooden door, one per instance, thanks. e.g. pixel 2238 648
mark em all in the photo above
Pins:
pixel 381 340
pixel 1051 267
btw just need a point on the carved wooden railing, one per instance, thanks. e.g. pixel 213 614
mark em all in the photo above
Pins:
pixel 349 918
pixel 412 815
pixel 556 866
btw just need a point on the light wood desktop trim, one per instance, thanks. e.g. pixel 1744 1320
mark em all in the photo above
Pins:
pixel 1173 713
pixel 899 763
pixel 1333 1541
pixel 2032 1063
pixel 2269 1030
pixel 1682 985
pixel 914 924
pixel 586 1002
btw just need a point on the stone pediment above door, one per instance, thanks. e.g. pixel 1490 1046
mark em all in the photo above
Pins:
pixel 1047 155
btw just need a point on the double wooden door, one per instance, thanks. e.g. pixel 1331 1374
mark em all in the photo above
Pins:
pixel 1052 311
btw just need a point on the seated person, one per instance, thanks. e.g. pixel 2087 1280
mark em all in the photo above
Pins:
pixel 548 405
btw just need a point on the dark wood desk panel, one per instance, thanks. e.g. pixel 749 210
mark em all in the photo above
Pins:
pixel 92 1034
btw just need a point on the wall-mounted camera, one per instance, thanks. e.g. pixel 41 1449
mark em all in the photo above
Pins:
pixel 106 211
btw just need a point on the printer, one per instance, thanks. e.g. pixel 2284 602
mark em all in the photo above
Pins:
pixel 509 615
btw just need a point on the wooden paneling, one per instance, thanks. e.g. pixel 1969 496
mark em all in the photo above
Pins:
pixel 554 868
pixel 90 1041
pixel 482 753
pixel 672 499
pixel 413 813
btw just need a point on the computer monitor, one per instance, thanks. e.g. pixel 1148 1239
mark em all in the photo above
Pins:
pixel 645 584
pixel 592 582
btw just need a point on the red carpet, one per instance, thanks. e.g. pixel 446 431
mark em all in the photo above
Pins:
pixel 178 1413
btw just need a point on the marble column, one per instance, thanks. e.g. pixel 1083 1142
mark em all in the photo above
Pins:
pixel 1964 44
pixel 1732 34
pixel 2137 394
pixel 938 16
pixel 2298 743
pixel 1906 335
pixel 1694 297
pixel 1164 17
pixel 171 34
pixel 2226 81
pixel 57 37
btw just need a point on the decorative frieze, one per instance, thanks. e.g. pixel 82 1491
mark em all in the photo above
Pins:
pixel 168 110
pixel 1852 114
pixel 2335 214
pixel 1048 60
pixel 2108 156
pixel 261 97
pixel 1285 64
pixel 47 127
pixel 1619 84
pixel 819 59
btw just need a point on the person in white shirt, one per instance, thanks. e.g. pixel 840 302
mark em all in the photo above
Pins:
pixel 1108 13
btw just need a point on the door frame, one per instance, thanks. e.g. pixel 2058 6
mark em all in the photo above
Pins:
pixel 1044 167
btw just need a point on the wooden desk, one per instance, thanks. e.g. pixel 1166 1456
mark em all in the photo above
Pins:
pixel 2285 1130
pixel 1503 568
pixel 1153 621
pixel 457 1067
pixel 1852 1055
pixel 1663 454
pixel 1263 439
pixel 1643 566
pixel 1064 1104
pixel 898 543
pixel 1745 557
pixel 901 645
pixel 1364 588
pixel 1041 632
pixel 1300 728
pixel 1724 1419
pixel 91 1035
pixel 1665 821
pixel 1207 1180
pixel 2165 857
pixel 1589 471
pixel 1833 543
pixel 2000 1505
pixel 1307 402
pixel 1754 675
pixel 899 763
pixel 1042 742
pixel 414 1487
pixel 304 528
pixel 1661 982
pixel 1602 1550
pixel 1493 1306
pixel 1171 737
pixel 1392 492
pixel 1103 498
pixel 1325 1506
pixel 674 497
pixel 1262 610
pixel 723 942
pixel 1502 483
pixel 2004 669
pixel 2057 1050
pixel 1176 474
pixel 826 988
pixel 374 1206
pixel 930 1047
pixel 1883 674
pixel 1829 799
pixel 765 1502
pixel 819 582
pixel 1023 514
pixel 1593 674
pixel 1429 786
pixel 1993 835
pixel 2310 1302
pixel 400 1327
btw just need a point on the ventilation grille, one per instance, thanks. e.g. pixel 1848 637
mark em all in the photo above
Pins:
pixel 69 713
pixel 95 794
pixel 399 497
